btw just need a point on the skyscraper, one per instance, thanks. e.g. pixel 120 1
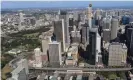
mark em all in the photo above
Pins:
pixel 71 22
pixel 21 17
pixel 65 16
pixel 106 35
pixel 59 31
pixel 85 34
pixel 92 35
pixel 95 46
pixel 55 54
pixel 131 43
pixel 98 49
pixel 114 27
pixel 106 23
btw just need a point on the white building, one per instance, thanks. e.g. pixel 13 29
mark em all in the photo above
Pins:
pixel 38 57
pixel 98 49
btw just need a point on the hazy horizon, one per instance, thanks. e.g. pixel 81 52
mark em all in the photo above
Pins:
pixel 57 4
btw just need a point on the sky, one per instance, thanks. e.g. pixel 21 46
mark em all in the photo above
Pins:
pixel 51 4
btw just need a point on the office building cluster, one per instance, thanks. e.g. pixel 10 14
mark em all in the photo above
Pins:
pixel 97 31
pixel 90 39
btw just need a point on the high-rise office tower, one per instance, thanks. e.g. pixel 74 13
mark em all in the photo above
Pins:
pixel 131 44
pixel 21 21
pixel 117 54
pixel 114 27
pixel 85 34
pixel 38 57
pixel 106 35
pixel 21 18
pixel 71 22
pixel 75 16
pixel 90 15
pixel 95 46
pixel 106 23
pixel 129 34
pixel 98 49
pixel 65 16
pixel 104 14
pixel 125 20
pixel 59 31
pixel 55 58
pixel 32 21
pixel 97 14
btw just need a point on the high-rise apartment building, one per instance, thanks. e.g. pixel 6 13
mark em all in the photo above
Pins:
pixel 117 54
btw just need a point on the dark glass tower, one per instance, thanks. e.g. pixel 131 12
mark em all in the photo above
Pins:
pixel 92 44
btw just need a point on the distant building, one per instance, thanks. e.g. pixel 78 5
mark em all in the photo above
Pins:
pixel 125 20
pixel 32 21
pixel 55 58
pixel 131 44
pixel 75 16
pixel 85 34
pixel 106 35
pixel 71 20
pixel 106 23
pixel 114 27
pixel 21 17
pixel 117 54
pixel 97 17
